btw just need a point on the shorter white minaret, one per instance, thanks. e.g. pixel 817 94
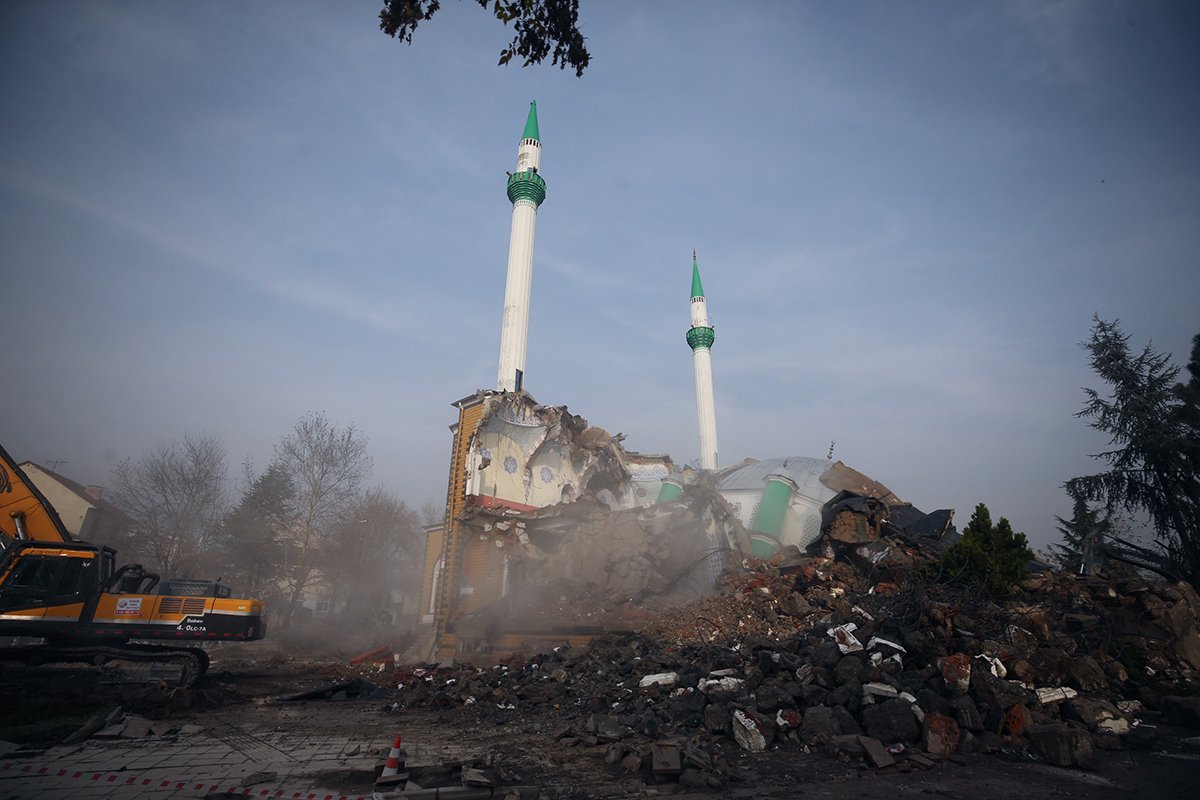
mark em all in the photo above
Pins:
pixel 526 191
pixel 700 338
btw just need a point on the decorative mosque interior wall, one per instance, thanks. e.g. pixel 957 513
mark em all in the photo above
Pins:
pixel 646 473
pixel 533 456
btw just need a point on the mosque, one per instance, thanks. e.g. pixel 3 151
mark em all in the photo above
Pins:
pixel 551 522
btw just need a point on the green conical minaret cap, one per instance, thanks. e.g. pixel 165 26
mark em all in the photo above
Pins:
pixel 531 128
pixel 697 289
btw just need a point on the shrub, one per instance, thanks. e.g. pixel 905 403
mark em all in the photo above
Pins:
pixel 990 557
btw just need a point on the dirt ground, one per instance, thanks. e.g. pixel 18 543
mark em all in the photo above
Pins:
pixel 240 698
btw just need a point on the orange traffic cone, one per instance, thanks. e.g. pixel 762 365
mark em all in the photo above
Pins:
pixel 395 761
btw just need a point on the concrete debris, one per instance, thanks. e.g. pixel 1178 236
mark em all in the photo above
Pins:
pixel 95 724
pixel 877 754
pixel 722 685
pixel 659 679
pixel 844 636
pixel 1067 669
pixel 748 731
pixel 1056 695
pixel 994 664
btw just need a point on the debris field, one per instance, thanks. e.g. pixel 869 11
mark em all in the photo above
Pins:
pixel 862 660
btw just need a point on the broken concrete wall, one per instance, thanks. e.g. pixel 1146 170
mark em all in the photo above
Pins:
pixel 647 473
pixel 581 563
pixel 815 480
pixel 530 456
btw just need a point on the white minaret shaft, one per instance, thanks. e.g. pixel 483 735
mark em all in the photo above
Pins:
pixel 700 338
pixel 526 191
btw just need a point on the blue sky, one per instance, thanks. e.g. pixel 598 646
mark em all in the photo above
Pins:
pixel 218 216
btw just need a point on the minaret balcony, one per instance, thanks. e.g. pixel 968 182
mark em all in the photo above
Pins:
pixel 701 336
pixel 527 185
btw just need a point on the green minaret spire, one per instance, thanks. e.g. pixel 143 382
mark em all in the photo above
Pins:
pixel 701 333
pixel 531 126
pixel 527 184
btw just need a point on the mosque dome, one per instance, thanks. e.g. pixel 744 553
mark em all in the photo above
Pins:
pixel 801 486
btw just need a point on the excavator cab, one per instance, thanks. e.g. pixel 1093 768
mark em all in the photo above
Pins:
pixel 35 577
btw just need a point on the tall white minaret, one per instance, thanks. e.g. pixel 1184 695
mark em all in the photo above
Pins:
pixel 526 191
pixel 700 338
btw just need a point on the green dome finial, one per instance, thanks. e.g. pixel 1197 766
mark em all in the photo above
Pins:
pixel 697 289
pixel 531 126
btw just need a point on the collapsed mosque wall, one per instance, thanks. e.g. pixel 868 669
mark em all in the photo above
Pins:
pixel 527 455
pixel 583 567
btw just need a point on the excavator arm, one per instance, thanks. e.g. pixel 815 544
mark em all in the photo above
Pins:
pixel 24 512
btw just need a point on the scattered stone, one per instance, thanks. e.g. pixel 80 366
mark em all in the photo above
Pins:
pixel 665 760
pixel 1016 721
pixel 940 735
pixel 819 725
pixel 1046 696
pixel 879 690
pixel 477 777
pixel 1087 675
pixel 1062 745
pixel 660 679
pixel 877 754
pixel 96 723
pixel 891 721
pixel 967 713
pixel 844 636
pixel 748 732
pixel 956 670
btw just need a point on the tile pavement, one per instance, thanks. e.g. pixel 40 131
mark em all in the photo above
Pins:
pixel 191 766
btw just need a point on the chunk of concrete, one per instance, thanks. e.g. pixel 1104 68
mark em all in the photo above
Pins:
pixel 748 732
pixel 877 754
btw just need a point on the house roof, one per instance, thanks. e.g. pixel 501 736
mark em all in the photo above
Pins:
pixel 75 488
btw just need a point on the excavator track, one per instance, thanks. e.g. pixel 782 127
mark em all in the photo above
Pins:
pixel 192 661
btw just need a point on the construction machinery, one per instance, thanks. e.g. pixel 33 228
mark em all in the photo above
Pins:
pixel 74 597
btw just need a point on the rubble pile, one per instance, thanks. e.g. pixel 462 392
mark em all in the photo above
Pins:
pixel 862 654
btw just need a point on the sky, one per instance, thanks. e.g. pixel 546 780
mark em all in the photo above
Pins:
pixel 217 217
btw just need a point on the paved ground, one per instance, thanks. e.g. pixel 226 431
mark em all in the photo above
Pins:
pixel 197 764
pixel 237 739
pixel 280 755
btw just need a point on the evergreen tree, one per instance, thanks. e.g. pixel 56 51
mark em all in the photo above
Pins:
pixel 1083 531
pixel 250 538
pixel 1153 425
pixel 990 557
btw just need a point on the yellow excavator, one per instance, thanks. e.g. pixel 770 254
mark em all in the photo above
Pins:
pixel 72 595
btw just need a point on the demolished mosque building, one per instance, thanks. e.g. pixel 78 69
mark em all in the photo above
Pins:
pixel 555 532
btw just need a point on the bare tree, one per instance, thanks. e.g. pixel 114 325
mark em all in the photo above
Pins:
pixel 327 465
pixel 432 513
pixel 374 551
pixel 174 493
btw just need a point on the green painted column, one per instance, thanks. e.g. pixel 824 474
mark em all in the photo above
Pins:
pixel 671 489
pixel 772 510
